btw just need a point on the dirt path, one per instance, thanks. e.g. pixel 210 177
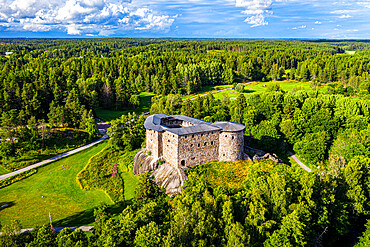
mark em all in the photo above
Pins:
pixel 299 162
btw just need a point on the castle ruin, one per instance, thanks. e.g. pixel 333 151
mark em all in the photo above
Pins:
pixel 185 142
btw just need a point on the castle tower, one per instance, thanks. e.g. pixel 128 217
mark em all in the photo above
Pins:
pixel 231 141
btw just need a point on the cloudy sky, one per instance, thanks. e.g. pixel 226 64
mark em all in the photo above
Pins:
pixel 186 18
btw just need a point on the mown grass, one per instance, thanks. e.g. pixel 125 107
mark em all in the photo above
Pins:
pixel 145 103
pixel 53 189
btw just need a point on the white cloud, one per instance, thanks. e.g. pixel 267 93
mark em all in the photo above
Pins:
pixel 81 16
pixel 345 16
pixel 257 10
pixel 343 11
pixel 317 22
pixel 300 27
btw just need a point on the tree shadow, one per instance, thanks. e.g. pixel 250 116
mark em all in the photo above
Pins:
pixel 86 217
pixel 5 205
pixel 248 91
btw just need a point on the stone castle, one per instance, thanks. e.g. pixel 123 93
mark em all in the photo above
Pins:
pixel 184 141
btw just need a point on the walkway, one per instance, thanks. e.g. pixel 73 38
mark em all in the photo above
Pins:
pixel 2 177
pixel 299 162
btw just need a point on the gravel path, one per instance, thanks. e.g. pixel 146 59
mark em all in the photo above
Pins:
pixel 299 162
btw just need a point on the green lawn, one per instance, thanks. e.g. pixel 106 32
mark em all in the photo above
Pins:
pixel 145 103
pixel 53 189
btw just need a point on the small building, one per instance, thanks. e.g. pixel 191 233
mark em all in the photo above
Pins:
pixel 184 141
pixel 8 53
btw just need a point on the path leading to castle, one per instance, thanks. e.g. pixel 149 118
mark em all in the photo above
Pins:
pixel 299 162
pixel 102 127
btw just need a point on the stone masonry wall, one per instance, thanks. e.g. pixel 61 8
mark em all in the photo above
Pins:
pixel 170 147
pixel 154 143
pixel 231 146
pixel 198 148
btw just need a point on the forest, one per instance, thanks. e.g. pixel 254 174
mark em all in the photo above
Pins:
pixel 62 83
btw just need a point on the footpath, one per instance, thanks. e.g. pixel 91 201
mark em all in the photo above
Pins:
pixel 299 162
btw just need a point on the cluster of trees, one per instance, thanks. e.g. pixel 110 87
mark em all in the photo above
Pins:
pixel 322 128
pixel 276 205
pixel 62 82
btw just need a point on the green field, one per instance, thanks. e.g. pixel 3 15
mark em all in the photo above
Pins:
pixel 53 189
pixel 205 90
pixel 259 87
pixel 145 103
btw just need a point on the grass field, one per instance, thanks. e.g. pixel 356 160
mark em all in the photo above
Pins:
pixel 53 189
pixel 205 90
pixel 259 87
pixel 145 103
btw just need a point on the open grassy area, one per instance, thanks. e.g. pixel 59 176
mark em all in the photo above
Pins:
pixel 206 89
pixel 350 52
pixel 259 87
pixel 53 189
pixel 145 103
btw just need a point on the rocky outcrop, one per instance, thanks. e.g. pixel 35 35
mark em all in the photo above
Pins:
pixel 144 163
pixel 260 155
pixel 272 157
pixel 167 176
pixel 170 178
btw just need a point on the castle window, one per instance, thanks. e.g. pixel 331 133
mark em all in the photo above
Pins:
pixel 232 138
pixel 225 135
pixel 198 145
pixel 211 142
pixel 169 141
pixel 191 145
pixel 192 136
pixel 193 158
pixel 205 144
pixel 183 162
pixel 224 154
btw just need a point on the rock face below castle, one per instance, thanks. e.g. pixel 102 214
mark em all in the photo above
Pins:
pixel 184 142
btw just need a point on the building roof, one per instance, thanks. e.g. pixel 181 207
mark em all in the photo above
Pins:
pixel 153 122
pixel 229 126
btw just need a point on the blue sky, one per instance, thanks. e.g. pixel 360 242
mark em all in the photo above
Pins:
pixel 189 19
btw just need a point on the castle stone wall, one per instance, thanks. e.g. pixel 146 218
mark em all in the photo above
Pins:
pixel 231 146
pixel 154 143
pixel 198 148
pixel 170 148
